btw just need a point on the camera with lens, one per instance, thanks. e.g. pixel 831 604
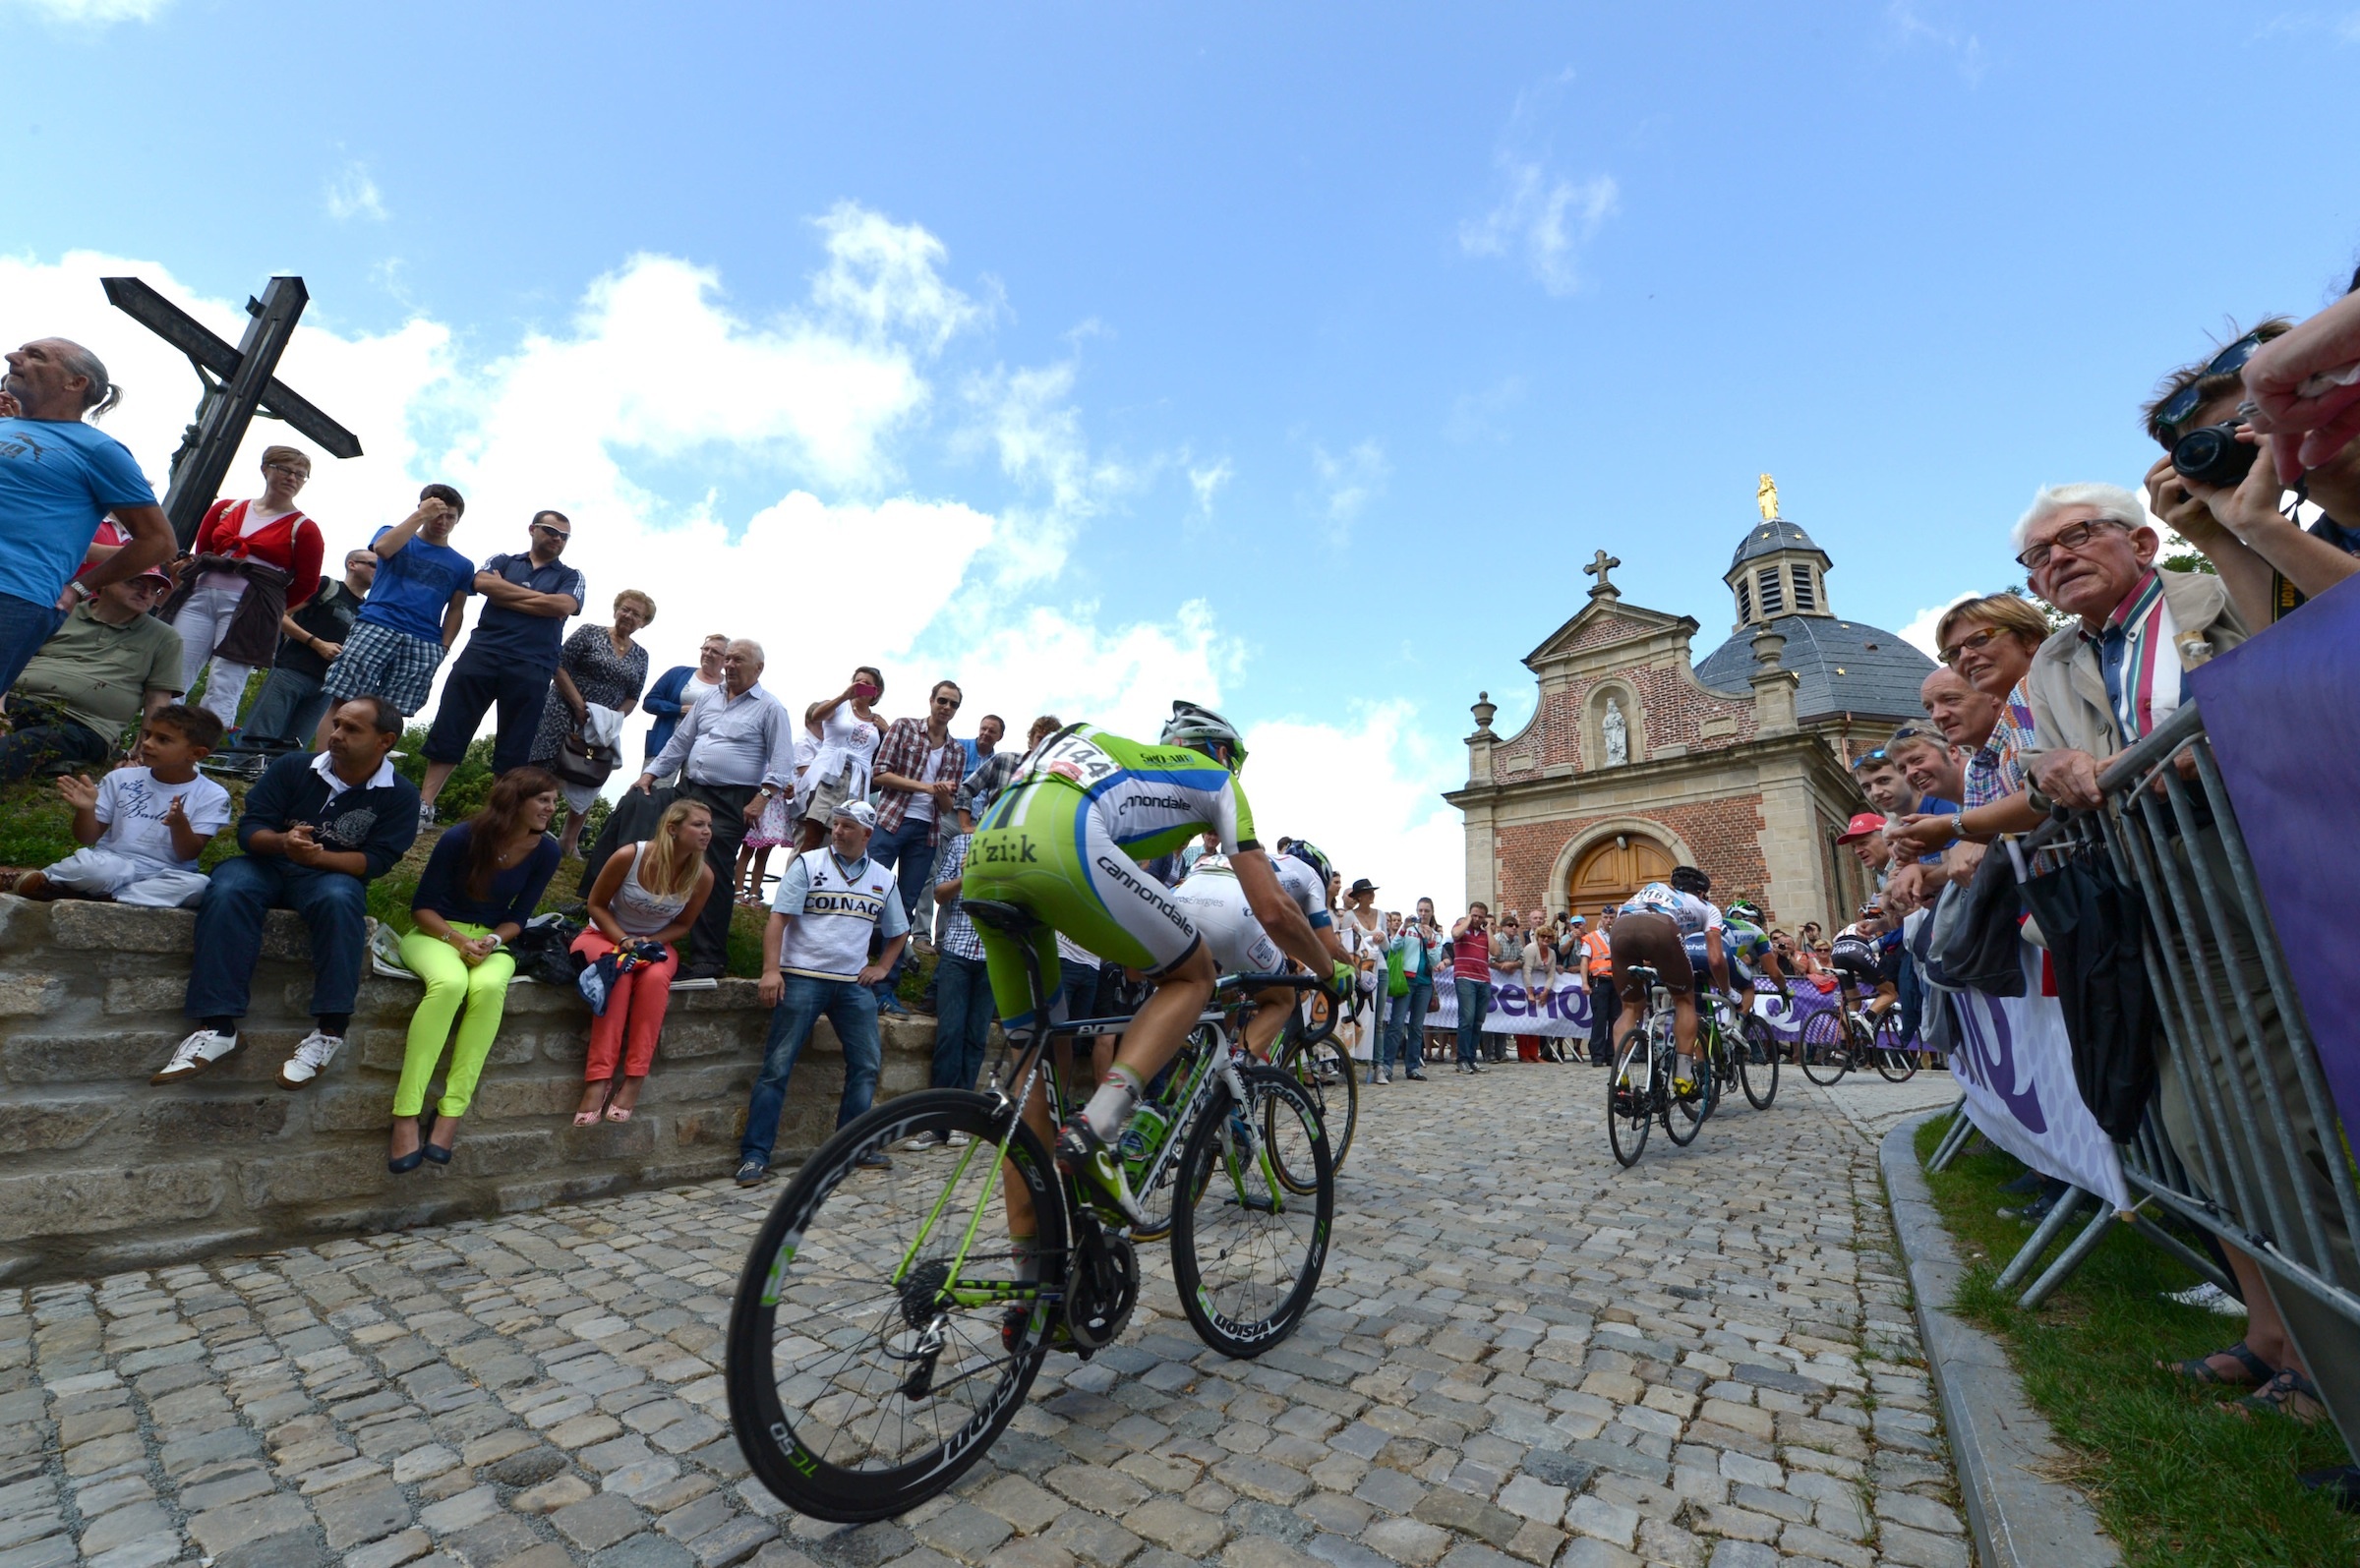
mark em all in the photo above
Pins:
pixel 2214 455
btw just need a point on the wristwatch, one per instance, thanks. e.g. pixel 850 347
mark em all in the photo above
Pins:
pixel 1957 824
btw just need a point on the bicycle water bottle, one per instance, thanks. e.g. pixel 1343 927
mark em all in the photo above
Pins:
pixel 1141 1139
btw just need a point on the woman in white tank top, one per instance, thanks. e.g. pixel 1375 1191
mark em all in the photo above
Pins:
pixel 647 899
pixel 850 732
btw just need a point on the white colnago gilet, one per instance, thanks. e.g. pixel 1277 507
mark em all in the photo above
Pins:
pixel 829 939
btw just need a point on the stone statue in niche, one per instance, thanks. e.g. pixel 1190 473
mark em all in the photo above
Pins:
pixel 1618 735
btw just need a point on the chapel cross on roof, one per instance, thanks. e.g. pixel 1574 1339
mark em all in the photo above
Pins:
pixel 1600 564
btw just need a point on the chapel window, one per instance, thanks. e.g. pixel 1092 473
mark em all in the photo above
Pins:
pixel 1745 603
pixel 1805 598
pixel 1773 593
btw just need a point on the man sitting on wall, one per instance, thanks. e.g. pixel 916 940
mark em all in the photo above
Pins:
pixel 317 830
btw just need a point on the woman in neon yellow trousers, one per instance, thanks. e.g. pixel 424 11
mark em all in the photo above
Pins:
pixel 479 887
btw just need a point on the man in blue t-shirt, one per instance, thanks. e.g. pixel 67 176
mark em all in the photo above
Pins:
pixel 59 478
pixel 413 615
pixel 511 656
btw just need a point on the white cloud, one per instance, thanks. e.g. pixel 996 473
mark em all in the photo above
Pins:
pixel 1919 632
pixel 1913 23
pixel 352 194
pixel 1347 484
pixel 1543 218
pixel 885 275
pixel 1207 481
pixel 1028 420
pixel 1479 417
pixel 1368 792
pixel 91 13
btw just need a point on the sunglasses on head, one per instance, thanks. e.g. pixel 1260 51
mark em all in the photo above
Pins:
pixel 2189 398
pixel 1865 758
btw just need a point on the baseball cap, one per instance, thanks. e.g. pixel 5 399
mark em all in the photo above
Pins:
pixel 1581 919
pixel 1865 826
pixel 861 812
pixel 157 573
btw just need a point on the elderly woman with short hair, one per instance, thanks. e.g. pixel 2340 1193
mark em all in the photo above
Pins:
pixel 254 562
pixel 1991 642
pixel 598 667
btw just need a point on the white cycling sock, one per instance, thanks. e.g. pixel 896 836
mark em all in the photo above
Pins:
pixel 1025 1252
pixel 1110 1107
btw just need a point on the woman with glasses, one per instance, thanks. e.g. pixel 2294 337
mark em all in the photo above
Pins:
pixel 598 667
pixel 252 561
pixel 1991 642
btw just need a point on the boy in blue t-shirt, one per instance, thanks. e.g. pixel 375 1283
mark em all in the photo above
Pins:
pixel 413 612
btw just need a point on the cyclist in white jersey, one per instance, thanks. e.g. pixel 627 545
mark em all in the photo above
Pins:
pixel 1648 931
pixel 1216 904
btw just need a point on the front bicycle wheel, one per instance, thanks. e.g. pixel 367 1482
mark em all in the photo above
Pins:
pixel 1630 1100
pixel 1247 1251
pixel 871 1357
pixel 1684 1114
pixel 1826 1048
pixel 1894 1061
pixel 1758 1061
pixel 1323 1070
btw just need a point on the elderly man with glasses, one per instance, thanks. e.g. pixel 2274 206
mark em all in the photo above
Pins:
pixel 511 659
pixel 2102 683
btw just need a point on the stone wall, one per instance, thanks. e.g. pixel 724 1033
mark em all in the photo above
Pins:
pixel 100 1171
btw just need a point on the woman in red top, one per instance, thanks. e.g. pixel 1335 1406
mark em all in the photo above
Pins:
pixel 253 561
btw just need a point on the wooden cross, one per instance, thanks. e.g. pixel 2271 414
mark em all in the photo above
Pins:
pixel 238 384
pixel 1600 564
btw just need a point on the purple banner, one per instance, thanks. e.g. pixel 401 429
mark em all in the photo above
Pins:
pixel 2286 727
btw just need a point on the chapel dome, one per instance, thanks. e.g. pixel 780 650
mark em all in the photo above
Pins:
pixel 1843 665
pixel 1768 539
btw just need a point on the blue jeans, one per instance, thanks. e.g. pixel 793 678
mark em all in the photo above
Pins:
pixel 286 711
pixel 1403 1034
pixel 852 1009
pixel 905 853
pixel 1474 1005
pixel 229 933
pixel 24 627
pixel 961 1021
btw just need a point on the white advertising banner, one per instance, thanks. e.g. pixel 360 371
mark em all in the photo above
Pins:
pixel 2015 1064
pixel 1560 1008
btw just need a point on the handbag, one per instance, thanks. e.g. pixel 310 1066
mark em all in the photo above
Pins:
pixel 578 762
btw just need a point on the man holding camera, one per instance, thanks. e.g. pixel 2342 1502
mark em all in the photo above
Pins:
pixel 2210 487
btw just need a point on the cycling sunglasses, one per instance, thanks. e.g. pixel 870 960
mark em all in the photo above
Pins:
pixel 2185 401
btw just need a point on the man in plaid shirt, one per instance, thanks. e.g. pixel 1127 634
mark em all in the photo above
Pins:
pixel 916 771
pixel 962 991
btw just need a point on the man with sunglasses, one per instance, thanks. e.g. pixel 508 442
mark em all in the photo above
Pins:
pixel 2102 683
pixel 2269 564
pixel 509 660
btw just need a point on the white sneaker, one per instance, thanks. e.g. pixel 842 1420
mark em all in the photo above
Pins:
pixel 311 1059
pixel 958 1140
pixel 2209 1295
pixel 1385 1077
pixel 917 1144
pixel 196 1053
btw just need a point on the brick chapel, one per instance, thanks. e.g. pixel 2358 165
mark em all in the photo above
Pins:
pixel 1637 760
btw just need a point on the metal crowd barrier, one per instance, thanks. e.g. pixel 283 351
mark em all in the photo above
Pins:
pixel 2257 1151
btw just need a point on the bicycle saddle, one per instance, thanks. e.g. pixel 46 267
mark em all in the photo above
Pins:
pixel 1014 919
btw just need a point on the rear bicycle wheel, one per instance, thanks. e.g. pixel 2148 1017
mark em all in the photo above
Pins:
pixel 866 1367
pixel 1894 1061
pixel 1323 1070
pixel 1630 1100
pixel 1684 1114
pixel 1758 1061
pixel 1247 1251
pixel 1826 1047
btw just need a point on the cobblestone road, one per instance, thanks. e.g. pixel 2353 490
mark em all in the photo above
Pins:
pixel 1522 1354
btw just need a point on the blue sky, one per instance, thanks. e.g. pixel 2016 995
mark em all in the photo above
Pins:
pixel 1290 357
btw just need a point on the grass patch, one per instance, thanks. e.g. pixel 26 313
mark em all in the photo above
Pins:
pixel 2176 1480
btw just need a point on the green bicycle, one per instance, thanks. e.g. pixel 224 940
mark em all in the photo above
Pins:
pixel 885 1331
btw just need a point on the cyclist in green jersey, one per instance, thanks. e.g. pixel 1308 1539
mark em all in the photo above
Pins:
pixel 1065 843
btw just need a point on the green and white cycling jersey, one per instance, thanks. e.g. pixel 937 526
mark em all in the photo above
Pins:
pixel 1066 840
pixel 1216 904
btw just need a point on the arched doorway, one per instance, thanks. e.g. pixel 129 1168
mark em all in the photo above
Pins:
pixel 1613 869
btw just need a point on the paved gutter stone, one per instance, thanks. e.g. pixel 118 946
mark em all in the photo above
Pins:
pixel 2000 1442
